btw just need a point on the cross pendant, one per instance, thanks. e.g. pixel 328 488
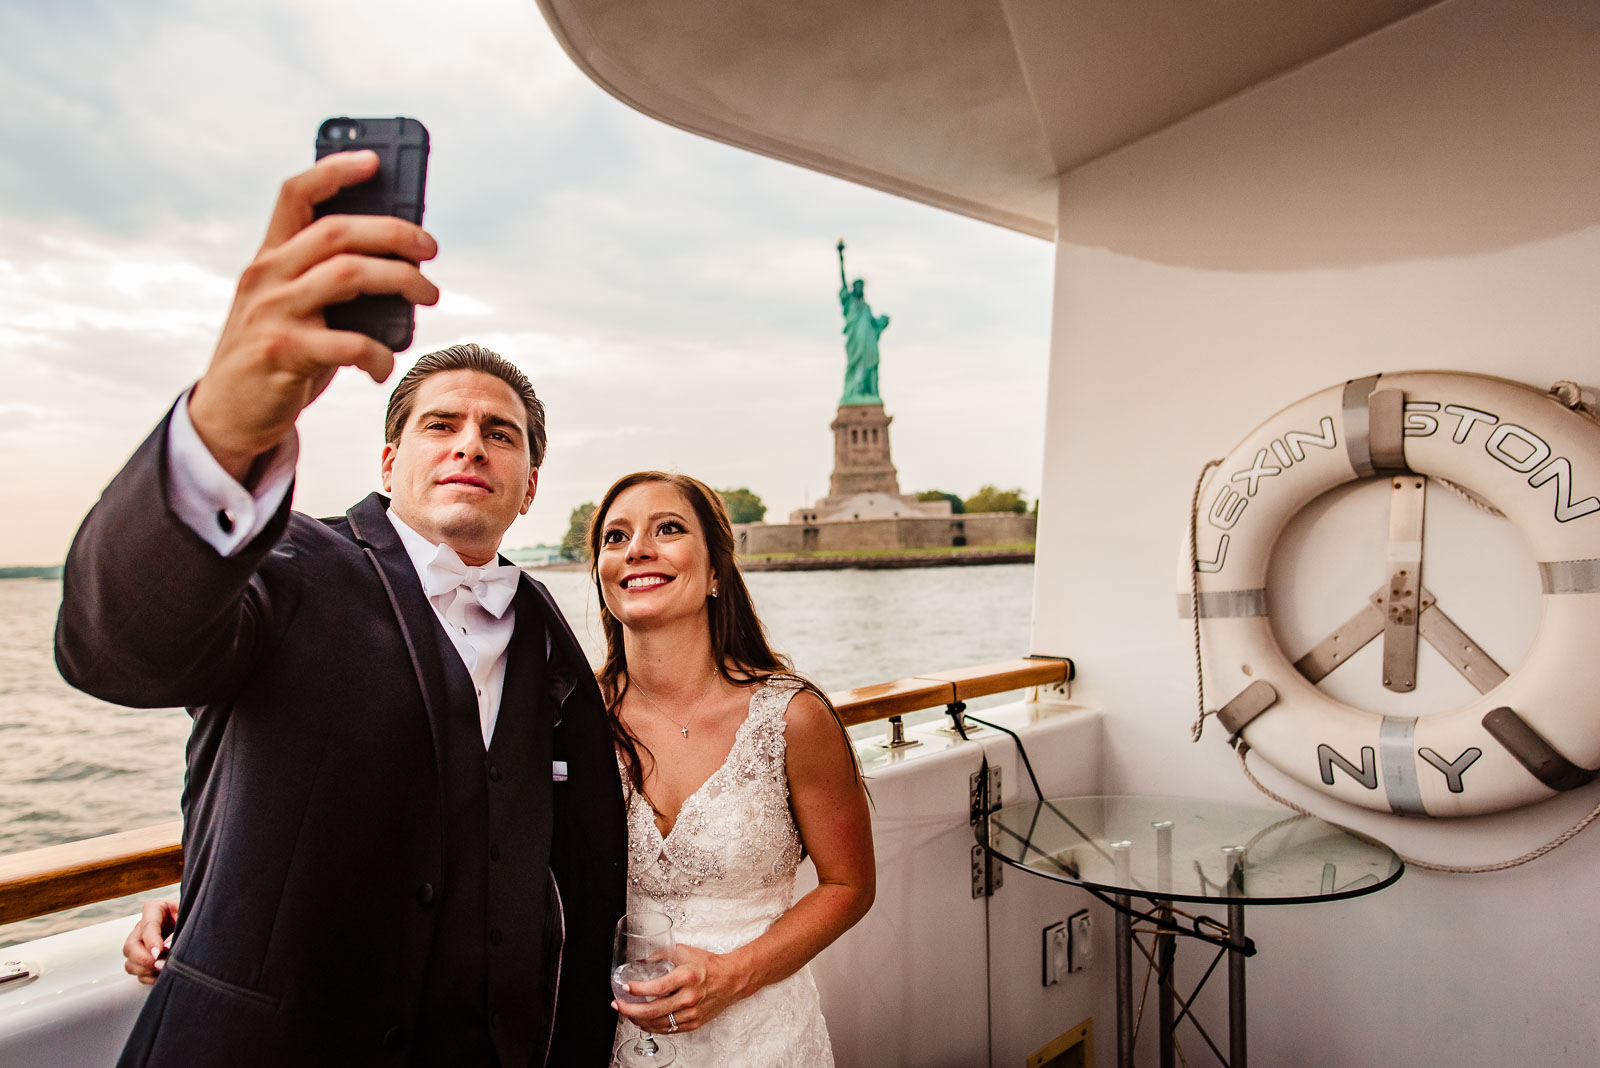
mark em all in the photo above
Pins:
pixel 684 731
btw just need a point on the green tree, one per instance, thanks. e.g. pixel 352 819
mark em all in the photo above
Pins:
pixel 957 506
pixel 995 499
pixel 743 506
pixel 575 545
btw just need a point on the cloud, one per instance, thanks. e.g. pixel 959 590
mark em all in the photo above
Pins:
pixel 674 300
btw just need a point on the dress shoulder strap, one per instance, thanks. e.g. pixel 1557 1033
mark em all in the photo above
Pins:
pixel 769 703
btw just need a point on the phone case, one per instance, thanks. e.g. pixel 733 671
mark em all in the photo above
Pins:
pixel 397 189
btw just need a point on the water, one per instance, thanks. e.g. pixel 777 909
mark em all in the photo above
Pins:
pixel 637 971
pixel 75 767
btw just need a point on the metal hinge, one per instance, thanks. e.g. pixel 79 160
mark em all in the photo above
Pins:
pixel 983 794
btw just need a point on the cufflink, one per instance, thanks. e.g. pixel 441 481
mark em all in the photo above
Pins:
pixel 225 520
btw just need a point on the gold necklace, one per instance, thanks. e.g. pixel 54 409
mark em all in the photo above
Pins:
pixel 683 728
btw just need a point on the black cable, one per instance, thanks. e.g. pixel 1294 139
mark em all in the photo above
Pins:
pixel 1021 749
pixel 958 713
pixel 1154 920
pixel 957 710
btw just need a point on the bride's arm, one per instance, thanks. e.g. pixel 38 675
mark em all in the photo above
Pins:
pixel 830 809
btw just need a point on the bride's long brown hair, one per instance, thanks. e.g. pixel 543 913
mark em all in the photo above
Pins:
pixel 738 640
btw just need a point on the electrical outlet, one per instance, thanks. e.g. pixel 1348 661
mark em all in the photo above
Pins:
pixel 1055 953
pixel 1080 941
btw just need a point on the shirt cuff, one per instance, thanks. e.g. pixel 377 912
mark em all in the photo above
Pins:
pixel 210 502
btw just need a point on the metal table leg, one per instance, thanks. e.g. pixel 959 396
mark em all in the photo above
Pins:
pixel 1124 983
pixel 1120 852
pixel 1166 950
pixel 1237 1056
pixel 1166 998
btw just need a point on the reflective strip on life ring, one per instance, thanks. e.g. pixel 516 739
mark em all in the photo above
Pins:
pixel 1535 733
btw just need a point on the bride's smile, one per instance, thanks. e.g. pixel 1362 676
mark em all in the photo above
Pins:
pixel 653 562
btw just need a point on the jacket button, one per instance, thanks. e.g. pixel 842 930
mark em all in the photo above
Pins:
pixel 494 850
pixel 425 895
pixel 494 772
pixel 397 1038
pixel 494 936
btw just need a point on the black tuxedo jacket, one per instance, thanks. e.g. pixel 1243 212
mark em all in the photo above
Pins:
pixel 313 822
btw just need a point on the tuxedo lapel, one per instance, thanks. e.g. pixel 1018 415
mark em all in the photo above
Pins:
pixel 369 521
pixel 568 669
pixel 525 719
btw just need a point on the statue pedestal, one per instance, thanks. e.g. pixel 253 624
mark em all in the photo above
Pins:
pixel 861 461
pixel 865 484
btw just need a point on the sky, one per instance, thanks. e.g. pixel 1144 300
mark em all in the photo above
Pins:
pixel 673 300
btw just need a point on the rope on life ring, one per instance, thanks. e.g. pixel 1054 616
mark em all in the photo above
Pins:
pixel 1489 439
pixel 1557 842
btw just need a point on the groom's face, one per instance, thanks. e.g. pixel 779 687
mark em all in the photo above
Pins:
pixel 461 472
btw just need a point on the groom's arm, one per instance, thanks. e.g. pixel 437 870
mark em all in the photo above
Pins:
pixel 159 606
pixel 152 614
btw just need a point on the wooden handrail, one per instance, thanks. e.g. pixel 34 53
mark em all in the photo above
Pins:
pixel 864 704
pixel 65 876
pixel 96 869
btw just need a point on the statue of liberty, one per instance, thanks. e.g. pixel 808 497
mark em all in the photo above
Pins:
pixel 861 332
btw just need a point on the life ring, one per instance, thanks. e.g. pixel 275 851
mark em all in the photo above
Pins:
pixel 1530 734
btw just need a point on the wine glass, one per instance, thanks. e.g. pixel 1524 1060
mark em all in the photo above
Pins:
pixel 641 950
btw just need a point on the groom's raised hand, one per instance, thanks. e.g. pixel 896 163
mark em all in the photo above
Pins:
pixel 276 354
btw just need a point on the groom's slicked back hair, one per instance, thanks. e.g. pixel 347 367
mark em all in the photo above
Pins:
pixel 468 356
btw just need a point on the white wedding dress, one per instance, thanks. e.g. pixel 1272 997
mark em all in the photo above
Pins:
pixel 724 875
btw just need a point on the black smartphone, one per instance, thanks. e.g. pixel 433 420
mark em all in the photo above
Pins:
pixel 402 148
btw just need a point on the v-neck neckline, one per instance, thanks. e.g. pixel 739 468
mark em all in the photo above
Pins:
pixel 738 737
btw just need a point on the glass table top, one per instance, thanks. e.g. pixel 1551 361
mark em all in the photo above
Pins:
pixel 1188 849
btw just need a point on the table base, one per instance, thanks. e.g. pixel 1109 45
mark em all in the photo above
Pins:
pixel 1159 921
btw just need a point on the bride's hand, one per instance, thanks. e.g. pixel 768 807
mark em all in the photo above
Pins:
pixel 145 951
pixel 697 990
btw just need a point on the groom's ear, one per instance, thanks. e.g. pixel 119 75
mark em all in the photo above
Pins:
pixel 386 466
pixel 533 487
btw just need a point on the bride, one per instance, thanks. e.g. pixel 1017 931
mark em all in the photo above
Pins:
pixel 733 768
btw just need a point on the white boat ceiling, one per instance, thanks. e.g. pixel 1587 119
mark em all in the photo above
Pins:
pixel 971 107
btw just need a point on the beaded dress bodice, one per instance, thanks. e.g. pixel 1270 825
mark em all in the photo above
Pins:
pixel 725 874
pixel 729 863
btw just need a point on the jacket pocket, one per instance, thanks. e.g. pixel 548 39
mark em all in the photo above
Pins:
pixel 256 998
pixel 201 1021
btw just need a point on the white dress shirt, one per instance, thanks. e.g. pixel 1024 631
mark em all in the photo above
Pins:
pixel 227 516
pixel 209 500
pixel 478 636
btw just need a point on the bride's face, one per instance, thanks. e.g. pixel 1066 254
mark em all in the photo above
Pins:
pixel 654 565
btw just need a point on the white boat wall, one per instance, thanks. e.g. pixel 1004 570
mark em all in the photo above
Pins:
pixel 80 1007
pixel 935 975
pixel 1426 197
pixel 1251 201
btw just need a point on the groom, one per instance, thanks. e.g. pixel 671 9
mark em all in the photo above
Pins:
pixel 403 827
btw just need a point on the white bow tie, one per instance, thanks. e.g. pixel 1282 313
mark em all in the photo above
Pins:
pixel 492 585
